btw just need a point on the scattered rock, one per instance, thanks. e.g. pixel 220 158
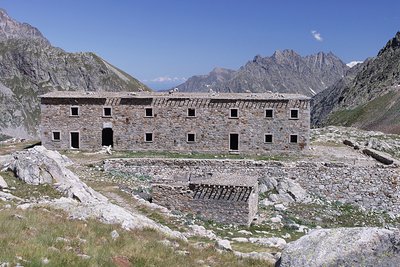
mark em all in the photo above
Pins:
pixel 280 207
pixel 275 219
pixel 271 242
pixel 45 261
pixel 198 230
pixel 17 216
pixel 114 235
pixel 182 252
pixel 245 232
pixel 62 239
pixel 367 246
pixel 83 256
pixel 3 183
pixel 265 256
pixel 223 244
pixel 240 239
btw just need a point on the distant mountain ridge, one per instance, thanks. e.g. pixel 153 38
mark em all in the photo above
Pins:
pixel 30 66
pixel 367 97
pixel 285 72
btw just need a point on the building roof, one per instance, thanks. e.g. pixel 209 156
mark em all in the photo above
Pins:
pixel 175 95
pixel 221 179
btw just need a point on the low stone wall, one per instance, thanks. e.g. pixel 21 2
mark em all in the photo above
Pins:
pixel 223 204
pixel 375 187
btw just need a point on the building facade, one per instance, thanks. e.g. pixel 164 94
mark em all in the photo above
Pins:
pixel 245 123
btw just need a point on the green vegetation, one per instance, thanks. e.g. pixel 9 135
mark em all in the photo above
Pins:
pixel 175 155
pixel 363 114
pixel 24 190
pixel 32 237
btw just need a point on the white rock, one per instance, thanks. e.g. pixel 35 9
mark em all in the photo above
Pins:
pixel 240 239
pixel 280 207
pixel 223 244
pixel 245 232
pixel 82 202
pixel 272 242
pixel 276 219
pixel 198 230
pixel 3 183
pixel 265 256
pixel 45 261
pixel 83 256
pixel 114 235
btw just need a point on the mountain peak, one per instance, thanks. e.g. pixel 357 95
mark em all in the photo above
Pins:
pixel 392 44
pixel 12 29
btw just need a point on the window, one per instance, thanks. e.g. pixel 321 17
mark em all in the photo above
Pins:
pixel 106 112
pixel 148 137
pixel 269 113
pixel 293 138
pixel 74 111
pixel 294 114
pixel 234 113
pixel 56 136
pixel 191 138
pixel 148 112
pixel 191 112
pixel 268 138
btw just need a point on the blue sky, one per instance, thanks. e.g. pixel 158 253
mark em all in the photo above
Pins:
pixel 157 41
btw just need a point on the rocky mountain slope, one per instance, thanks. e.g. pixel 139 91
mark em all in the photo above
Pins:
pixel 285 71
pixel 368 97
pixel 30 66
pixel 203 83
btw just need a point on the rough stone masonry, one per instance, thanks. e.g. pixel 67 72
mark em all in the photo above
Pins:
pixel 375 187
pixel 220 198
pixel 246 123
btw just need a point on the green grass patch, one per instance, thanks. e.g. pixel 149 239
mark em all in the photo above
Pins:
pixel 28 237
pixel 363 113
pixel 24 190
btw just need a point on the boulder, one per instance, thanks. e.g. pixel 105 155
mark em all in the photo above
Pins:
pixel 223 244
pixel 364 246
pixel 3 183
pixel 81 201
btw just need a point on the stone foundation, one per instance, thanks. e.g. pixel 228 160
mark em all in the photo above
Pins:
pixel 373 187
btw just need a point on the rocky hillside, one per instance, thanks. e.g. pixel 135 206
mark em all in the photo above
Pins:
pixel 30 66
pixel 368 97
pixel 203 83
pixel 285 71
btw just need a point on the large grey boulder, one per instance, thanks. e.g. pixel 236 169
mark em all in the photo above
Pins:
pixel 365 246
pixel 285 191
pixel 81 201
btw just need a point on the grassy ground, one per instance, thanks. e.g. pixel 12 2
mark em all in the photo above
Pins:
pixel 31 237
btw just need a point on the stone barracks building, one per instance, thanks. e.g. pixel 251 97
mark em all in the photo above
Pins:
pixel 247 123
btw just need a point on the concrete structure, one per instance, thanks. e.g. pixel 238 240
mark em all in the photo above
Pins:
pixel 221 198
pixel 245 123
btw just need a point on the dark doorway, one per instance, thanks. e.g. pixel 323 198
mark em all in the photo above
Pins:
pixel 107 137
pixel 74 140
pixel 234 142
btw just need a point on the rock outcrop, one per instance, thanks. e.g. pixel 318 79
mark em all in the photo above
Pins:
pixel 344 247
pixel 81 201
pixel 30 66
pixel 368 97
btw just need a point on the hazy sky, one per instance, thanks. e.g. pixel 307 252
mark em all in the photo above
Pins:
pixel 160 41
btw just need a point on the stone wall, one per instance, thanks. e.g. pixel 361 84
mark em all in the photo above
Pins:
pixel 170 124
pixel 374 187
pixel 223 204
